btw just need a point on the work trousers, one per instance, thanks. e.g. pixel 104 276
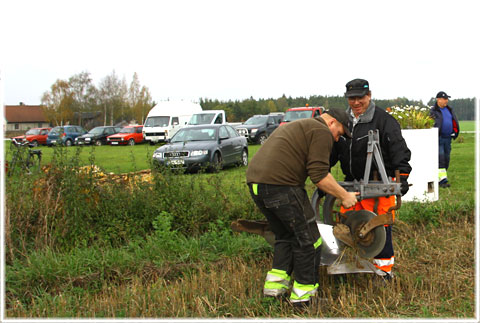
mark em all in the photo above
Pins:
pixel 444 148
pixel 292 220
pixel 385 259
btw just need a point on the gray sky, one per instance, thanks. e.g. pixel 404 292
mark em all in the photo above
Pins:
pixel 231 50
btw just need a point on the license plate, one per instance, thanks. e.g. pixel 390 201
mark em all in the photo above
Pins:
pixel 114 143
pixel 54 141
pixel 176 162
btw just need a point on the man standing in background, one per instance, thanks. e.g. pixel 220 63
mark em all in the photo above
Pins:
pixel 448 128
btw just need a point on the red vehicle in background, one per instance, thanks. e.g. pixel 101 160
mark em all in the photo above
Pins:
pixel 129 135
pixel 293 114
pixel 35 136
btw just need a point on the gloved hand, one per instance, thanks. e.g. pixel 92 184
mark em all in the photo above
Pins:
pixel 404 184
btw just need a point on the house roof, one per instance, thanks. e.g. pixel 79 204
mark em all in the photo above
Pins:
pixel 24 113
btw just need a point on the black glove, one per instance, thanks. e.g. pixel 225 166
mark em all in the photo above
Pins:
pixel 321 193
pixel 404 184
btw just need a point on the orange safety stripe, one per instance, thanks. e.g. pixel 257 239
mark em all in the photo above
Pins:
pixel 384 264
pixel 384 203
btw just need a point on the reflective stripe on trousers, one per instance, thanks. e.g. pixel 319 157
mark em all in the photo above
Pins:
pixel 442 174
pixel 302 293
pixel 277 283
pixel 384 264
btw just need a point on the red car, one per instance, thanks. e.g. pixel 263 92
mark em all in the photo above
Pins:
pixel 35 136
pixel 129 135
pixel 293 114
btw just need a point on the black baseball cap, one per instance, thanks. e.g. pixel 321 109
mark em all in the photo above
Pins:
pixel 443 95
pixel 342 117
pixel 357 87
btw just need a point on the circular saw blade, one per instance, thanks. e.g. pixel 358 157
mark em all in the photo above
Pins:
pixel 374 241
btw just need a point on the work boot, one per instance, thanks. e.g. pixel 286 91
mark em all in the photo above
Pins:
pixel 444 184
pixel 384 281
pixel 301 307
pixel 302 295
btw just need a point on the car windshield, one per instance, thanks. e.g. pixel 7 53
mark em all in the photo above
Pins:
pixel 192 134
pixel 96 131
pixel 201 118
pixel 256 120
pixel 298 114
pixel 33 132
pixel 127 130
pixel 157 121
pixel 57 130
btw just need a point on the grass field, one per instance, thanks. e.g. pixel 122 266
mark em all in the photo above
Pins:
pixel 467 125
pixel 220 274
pixel 122 159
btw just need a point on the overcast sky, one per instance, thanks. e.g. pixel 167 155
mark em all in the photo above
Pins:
pixel 232 50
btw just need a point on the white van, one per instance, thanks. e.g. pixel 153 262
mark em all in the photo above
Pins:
pixel 208 117
pixel 165 118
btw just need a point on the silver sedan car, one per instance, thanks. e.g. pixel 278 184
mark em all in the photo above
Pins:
pixel 209 147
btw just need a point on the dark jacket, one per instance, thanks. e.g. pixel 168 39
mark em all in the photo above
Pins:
pixel 293 152
pixel 436 114
pixel 395 152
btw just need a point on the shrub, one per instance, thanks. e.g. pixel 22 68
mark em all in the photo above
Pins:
pixel 412 117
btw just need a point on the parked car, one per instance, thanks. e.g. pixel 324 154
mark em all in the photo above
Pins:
pixel 97 136
pixel 64 135
pixel 35 136
pixel 208 147
pixel 257 128
pixel 293 114
pixel 129 135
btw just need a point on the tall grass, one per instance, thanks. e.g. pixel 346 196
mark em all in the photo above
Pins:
pixel 83 244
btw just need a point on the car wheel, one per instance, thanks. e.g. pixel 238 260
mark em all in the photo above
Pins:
pixel 98 143
pixel 262 138
pixel 34 143
pixel 68 143
pixel 216 162
pixel 244 161
pixel 131 142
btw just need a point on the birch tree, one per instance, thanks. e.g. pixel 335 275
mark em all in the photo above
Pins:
pixel 58 103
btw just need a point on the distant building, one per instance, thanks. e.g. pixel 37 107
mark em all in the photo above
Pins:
pixel 20 118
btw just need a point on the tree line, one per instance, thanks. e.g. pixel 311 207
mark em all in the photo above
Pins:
pixel 74 100
pixel 241 110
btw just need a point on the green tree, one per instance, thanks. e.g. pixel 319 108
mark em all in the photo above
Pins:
pixel 271 106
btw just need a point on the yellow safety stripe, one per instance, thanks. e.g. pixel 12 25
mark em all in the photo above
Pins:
pixel 255 189
pixel 277 274
pixel 302 292
pixel 442 174
pixel 274 285
pixel 318 243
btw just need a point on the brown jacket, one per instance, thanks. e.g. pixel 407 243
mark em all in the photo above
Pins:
pixel 293 152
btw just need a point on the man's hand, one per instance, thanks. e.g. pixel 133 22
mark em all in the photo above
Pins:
pixel 350 199
pixel 329 185
pixel 404 184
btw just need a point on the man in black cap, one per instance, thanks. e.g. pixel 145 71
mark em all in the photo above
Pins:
pixel 448 128
pixel 276 178
pixel 352 154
